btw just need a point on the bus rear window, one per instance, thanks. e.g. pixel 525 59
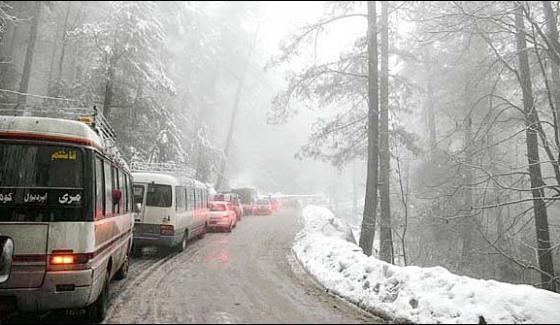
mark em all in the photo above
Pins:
pixel 159 196
pixel 24 165
pixel 41 183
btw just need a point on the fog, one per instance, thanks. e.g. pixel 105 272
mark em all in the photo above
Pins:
pixel 280 97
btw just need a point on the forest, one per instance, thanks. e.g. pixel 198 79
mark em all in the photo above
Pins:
pixel 451 108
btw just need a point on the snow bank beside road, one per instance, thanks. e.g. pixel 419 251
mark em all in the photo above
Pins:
pixel 414 294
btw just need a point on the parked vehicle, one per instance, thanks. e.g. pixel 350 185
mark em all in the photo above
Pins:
pixel 222 216
pixel 65 215
pixel 263 207
pixel 247 197
pixel 232 198
pixel 276 204
pixel 171 210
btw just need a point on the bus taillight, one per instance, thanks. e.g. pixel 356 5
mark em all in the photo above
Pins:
pixel 58 260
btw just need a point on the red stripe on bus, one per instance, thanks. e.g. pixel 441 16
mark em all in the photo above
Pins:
pixel 49 137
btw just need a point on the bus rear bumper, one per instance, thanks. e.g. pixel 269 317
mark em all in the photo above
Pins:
pixel 158 241
pixel 60 290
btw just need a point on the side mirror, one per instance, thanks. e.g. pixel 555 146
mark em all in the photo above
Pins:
pixel 6 255
pixel 117 196
pixel 138 207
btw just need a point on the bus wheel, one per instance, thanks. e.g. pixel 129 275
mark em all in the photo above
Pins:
pixel 97 311
pixel 122 273
pixel 203 232
pixel 183 245
pixel 137 251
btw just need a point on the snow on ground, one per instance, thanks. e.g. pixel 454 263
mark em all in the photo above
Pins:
pixel 412 294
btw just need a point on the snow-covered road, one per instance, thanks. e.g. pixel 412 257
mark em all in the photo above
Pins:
pixel 241 277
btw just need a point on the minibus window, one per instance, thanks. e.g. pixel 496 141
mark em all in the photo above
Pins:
pixel 197 198
pixel 108 190
pixel 115 176
pixel 124 190
pixel 159 196
pixel 99 189
pixel 180 198
pixel 130 193
pixel 190 198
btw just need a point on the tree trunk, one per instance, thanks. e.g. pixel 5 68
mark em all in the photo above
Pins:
pixel 551 24
pixel 370 207
pixel 539 205
pixel 235 111
pixel 468 219
pixel 62 50
pixel 431 119
pixel 109 90
pixel 354 188
pixel 385 230
pixel 24 84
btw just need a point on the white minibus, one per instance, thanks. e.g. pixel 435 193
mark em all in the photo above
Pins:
pixel 171 210
pixel 65 216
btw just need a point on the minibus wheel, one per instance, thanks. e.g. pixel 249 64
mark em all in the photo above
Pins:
pixel 183 245
pixel 97 311
pixel 122 273
pixel 136 251
pixel 203 232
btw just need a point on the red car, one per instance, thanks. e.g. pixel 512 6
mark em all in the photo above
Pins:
pixel 276 204
pixel 222 216
pixel 263 207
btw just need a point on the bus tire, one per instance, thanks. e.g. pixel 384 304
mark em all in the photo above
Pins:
pixel 97 311
pixel 122 273
pixel 136 251
pixel 183 244
pixel 203 232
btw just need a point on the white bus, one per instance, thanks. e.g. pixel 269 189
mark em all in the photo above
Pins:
pixel 65 216
pixel 171 211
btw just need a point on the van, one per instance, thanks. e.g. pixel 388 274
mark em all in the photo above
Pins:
pixel 65 216
pixel 171 210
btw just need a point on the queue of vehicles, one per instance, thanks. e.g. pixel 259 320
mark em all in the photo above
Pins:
pixel 72 211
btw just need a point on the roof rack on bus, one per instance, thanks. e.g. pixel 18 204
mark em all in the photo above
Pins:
pixel 174 169
pixel 90 116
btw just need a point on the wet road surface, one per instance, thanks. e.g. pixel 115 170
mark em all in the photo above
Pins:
pixel 247 276
pixel 241 277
